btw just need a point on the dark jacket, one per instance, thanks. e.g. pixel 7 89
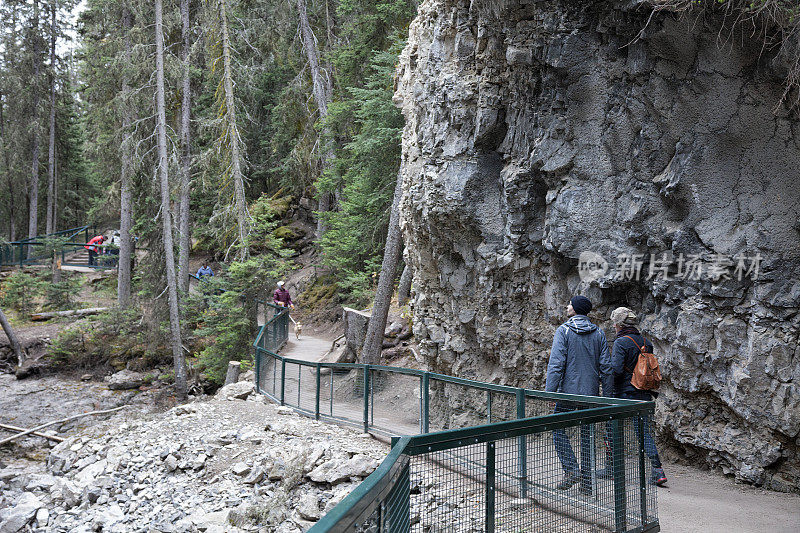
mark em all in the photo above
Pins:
pixel 624 356
pixel 281 296
pixel 579 359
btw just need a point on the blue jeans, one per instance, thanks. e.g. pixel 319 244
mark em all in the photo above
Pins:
pixel 649 443
pixel 565 454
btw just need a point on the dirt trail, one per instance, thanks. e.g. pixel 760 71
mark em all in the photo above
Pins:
pixel 695 500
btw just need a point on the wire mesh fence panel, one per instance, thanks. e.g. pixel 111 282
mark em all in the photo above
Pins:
pixel 342 394
pixel 307 387
pixel 396 508
pixel 448 490
pixel 268 373
pixel 395 402
pixel 453 405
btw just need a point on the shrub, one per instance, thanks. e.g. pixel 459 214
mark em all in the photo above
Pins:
pixel 20 291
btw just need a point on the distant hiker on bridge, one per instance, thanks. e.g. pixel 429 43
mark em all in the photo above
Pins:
pixel 624 356
pixel 282 297
pixel 94 248
pixel 579 361
pixel 204 271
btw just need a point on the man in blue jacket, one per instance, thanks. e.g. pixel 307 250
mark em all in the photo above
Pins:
pixel 579 362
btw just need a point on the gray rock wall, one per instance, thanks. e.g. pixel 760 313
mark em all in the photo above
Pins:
pixel 540 130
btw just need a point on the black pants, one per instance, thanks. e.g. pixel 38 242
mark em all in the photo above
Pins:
pixel 92 258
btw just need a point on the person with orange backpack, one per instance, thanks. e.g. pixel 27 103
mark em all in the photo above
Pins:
pixel 636 376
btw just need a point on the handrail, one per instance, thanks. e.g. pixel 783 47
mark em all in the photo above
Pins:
pixel 32 240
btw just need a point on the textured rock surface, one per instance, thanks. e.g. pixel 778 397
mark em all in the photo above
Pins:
pixel 538 130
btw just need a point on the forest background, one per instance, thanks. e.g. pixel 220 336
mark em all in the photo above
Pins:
pixel 198 125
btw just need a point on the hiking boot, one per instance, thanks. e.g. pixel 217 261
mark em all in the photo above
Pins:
pixel 604 473
pixel 658 478
pixel 568 481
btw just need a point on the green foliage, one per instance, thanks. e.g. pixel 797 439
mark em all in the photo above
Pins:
pixel 20 291
pixel 112 338
pixel 367 170
pixel 63 295
pixel 223 313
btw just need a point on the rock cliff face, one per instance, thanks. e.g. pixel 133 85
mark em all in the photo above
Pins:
pixel 541 130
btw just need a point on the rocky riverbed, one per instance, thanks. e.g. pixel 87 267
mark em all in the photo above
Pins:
pixel 232 463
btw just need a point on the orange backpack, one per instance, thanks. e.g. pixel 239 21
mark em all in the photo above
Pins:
pixel 646 373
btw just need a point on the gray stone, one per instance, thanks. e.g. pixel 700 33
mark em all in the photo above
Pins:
pixel 355 330
pixel 236 391
pixel 240 469
pixel 42 516
pixel 23 512
pixel 125 379
pixel 341 469
pixel 171 463
pixel 308 506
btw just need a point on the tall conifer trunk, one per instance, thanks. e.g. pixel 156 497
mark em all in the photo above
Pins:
pixel 51 150
pixel 371 352
pixel 184 237
pixel 33 188
pixel 323 92
pixel 233 132
pixel 125 245
pixel 163 173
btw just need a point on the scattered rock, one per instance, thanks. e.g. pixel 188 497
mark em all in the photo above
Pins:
pixel 17 517
pixel 171 463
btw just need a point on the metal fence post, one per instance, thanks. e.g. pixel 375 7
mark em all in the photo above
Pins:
pixel 618 460
pixel 642 477
pixel 319 380
pixel 283 379
pixel 490 492
pixel 366 398
pixel 426 405
pixel 258 370
pixel 522 445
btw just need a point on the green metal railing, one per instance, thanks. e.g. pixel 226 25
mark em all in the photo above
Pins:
pixel 485 457
pixel 35 251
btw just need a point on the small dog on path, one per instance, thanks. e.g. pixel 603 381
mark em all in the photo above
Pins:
pixel 298 329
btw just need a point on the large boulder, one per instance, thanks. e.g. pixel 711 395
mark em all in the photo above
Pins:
pixel 124 380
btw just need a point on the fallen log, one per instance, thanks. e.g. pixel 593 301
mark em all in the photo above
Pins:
pixel 37 428
pixel 71 312
pixel 35 433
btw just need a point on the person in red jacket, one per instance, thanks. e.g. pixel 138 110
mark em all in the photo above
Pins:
pixel 94 248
